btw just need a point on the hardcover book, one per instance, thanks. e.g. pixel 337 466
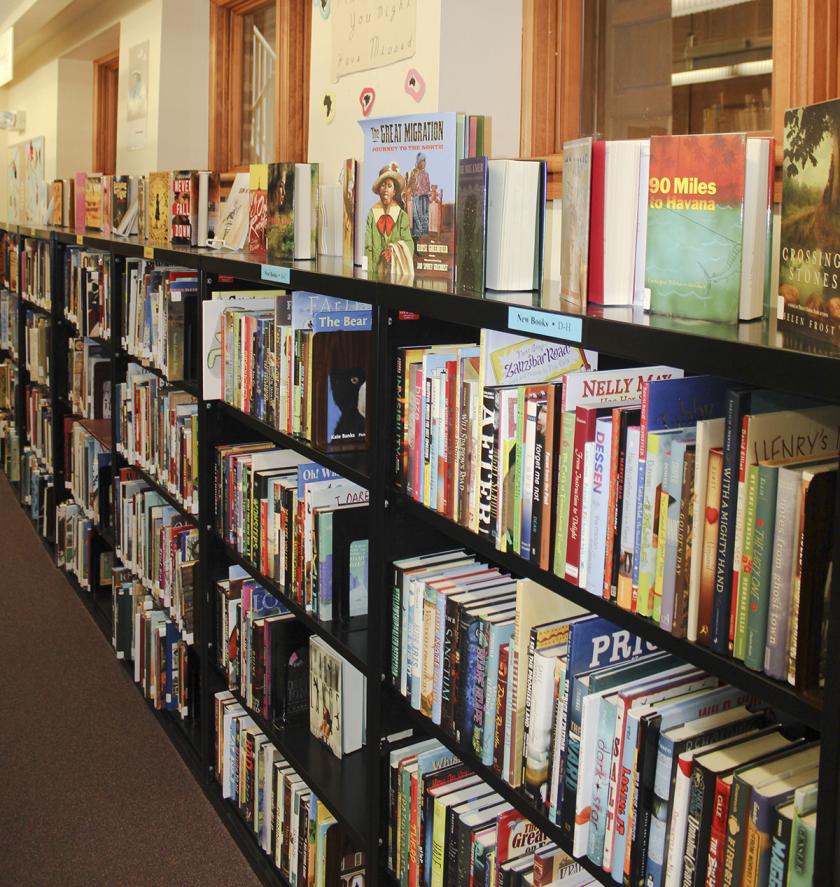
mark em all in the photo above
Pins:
pixel 471 225
pixel 574 236
pixel 184 208
pixel 257 207
pixel 350 175
pixel 808 301
pixel 408 195
pixel 696 226
pixel 158 207
pixel 93 202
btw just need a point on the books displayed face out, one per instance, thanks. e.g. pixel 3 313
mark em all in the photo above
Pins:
pixel 808 301
pixel 292 211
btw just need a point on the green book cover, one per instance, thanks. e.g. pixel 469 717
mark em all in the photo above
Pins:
pixel 803 839
pixel 762 564
pixel 695 207
pixel 564 481
pixel 746 577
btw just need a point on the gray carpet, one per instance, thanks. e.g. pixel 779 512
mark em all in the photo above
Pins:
pixel 91 789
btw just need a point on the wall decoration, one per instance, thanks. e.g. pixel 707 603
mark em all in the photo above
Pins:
pixel 369 34
pixel 323 8
pixel 366 99
pixel 13 185
pixel 328 106
pixel 138 95
pixel 415 85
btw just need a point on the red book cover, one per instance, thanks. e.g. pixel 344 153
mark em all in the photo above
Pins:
pixel 412 833
pixel 717 834
pixel 447 454
pixel 595 271
pixel 611 506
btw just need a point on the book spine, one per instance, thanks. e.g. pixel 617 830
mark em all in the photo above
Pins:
pixel 717 837
pixel 486 485
pixel 682 565
pixel 728 506
pixel 745 574
pixel 780 851
pixel 400 443
pixel 734 852
pixel 573 543
pixel 709 550
pixel 616 484
pixel 564 480
pixel 760 574
pixel 450 673
pixel 501 707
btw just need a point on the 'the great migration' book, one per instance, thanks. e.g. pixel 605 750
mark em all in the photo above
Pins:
pixel 707 226
pixel 809 275
pixel 408 194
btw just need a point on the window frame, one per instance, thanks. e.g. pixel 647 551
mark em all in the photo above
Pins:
pixel 292 38
pixel 806 69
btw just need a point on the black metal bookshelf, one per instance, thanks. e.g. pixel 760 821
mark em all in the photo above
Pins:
pixel 404 311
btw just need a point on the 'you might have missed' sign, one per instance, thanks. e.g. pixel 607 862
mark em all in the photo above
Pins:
pixel 371 34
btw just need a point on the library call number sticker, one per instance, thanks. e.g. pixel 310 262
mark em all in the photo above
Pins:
pixel 542 323
pixel 276 273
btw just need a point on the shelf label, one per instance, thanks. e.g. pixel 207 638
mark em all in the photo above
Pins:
pixel 148 252
pixel 544 323
pixel 80 239
pixel 276 273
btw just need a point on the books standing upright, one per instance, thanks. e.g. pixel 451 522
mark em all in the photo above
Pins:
pixel 809 282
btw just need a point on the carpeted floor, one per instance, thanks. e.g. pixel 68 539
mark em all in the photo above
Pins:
pixel 92 792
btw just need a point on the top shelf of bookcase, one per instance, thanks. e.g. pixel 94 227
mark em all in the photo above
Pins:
pixel 755 352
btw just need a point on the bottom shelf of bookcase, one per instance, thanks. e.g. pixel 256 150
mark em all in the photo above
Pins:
pixel 400 709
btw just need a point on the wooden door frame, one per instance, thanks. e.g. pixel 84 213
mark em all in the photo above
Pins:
pixel 105 113
pixel 293 38
pixel 806 40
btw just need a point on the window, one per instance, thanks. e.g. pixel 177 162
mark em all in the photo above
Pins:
pixel 259 81
pixel 630 68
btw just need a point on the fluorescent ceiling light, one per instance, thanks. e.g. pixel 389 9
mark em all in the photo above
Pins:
pixel 723 72
pixel 691 7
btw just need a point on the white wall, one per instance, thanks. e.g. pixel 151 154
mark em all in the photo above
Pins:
pixel 74 144
pixel 481 66
pixel 185 85
pixel 37 95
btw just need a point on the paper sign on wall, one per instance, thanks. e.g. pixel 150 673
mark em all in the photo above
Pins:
pixel 370 34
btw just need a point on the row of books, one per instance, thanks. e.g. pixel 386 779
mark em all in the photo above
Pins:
pixel 156 542
pixel 154 310
pixel 36 273
pixel 593 724
pixel 262 649
pixel 38 424
pixel 180 207
pixel 88 455
pixel 448 827
pixel 9 446
pixel 8 321
pixel 300 363
pixel 295 829
pixel 87 291
pixel 38 335
pixel 75 548
pixel 299 523
pixel 157 430
pixel 38 491
pixel 89 372
pixel 152 640
pixel 622 245
pixel 8 384
pixel 638 485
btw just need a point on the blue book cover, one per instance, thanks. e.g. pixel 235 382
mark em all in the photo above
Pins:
pixel 500 633
pixel 668 404
pixel 594 642
pixel 172 638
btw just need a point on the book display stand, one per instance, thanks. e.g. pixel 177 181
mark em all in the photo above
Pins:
pixel 355 787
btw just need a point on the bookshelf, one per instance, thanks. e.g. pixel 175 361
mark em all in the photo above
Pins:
pixel 353 787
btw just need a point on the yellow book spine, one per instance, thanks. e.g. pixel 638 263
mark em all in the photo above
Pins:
pixel 438 842
pixel 659 580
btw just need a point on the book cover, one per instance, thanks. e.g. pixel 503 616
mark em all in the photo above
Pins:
pixel 280 219
pixel 574 235
pixel 695 207
pixel 158 207
pixel 257 206
pixel 471 225
pixel 350 175
pixel 80 192
pixel 408 195
pixel 808 300
pixel 93 202
pixel 57 201
pixel 119 201
pixel 183 208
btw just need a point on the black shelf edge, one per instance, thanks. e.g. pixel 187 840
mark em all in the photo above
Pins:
pixel 155 485
pixel 244 837
pixel 513 796
pixel 34 306
pixel 339 782
pixel 182 384
pixel 352 645
pixel 353 465
pixel 781 696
